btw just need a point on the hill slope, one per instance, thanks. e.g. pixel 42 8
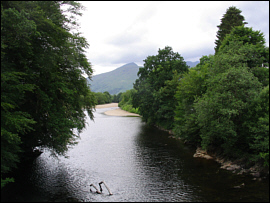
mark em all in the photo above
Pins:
pixel 116 81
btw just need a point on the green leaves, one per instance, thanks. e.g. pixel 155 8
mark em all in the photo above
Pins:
pixel 155 88
pixel 13 121
pixel 257 121
pixel 223 105
pixel 126 101
pixel 191 86
pixel 230 19
pixel 43 92
pixel 223 102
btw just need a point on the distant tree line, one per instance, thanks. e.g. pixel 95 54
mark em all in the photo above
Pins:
pixel 222 104
pixel 124 99
pixel 106 97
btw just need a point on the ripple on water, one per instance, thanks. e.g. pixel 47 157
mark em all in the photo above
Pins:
pixel 138 163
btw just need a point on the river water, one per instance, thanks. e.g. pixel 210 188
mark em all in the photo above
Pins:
pixel 137 162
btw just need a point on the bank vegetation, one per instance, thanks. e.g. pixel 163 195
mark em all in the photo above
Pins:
pixel 222 104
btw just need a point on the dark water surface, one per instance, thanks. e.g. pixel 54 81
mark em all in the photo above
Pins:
pixel 138 163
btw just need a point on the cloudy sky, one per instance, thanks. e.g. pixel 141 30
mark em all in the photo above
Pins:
pixel 121 32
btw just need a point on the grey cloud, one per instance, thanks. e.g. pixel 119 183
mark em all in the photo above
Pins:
pixel 197 53
pixel 256 14
pixel 135 53
pixel 127 53
pixel 138 53
pixel 124 39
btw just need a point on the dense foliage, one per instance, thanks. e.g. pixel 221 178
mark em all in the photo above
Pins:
pixel 106 97
pixel 230 19
pixel 155 88
pixel 126 100
pixel 191 85
pixel 44 95
pixel 222 104
pixel 219 101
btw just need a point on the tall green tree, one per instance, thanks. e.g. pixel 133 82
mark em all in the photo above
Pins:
pixel 14 121
pixel 232 105
pixel 230 19
pixel 42 83
pixel 153 85
pixel 245 46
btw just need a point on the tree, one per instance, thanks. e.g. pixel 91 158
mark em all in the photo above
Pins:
pixel 191 86
pixel 230 19
pixel 230 111
pixel 126 101
pixel 221 109
pixel 165 97
pixel 257 122
pixel 108 97
pixel 149 96
pixel 244 46
pixel 102 98
pixel 116 98
pixel 43 92
pixel 13 121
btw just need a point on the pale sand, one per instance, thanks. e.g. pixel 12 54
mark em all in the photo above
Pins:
pixel 101 106
pixel 115 112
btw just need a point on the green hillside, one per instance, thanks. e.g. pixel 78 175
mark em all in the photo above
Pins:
pixel 120 79
pixel 116 81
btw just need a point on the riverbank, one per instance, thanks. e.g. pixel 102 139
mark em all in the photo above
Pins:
pixel 237 166
pixel 102 106
pixel 115 112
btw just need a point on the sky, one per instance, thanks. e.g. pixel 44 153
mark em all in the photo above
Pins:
pixel 121 32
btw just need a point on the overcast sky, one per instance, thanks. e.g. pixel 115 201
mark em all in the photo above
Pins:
pixel 121 32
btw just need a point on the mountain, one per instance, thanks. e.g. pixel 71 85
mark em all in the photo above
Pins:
pixel 192 64
pixel 120 79
pixel 116 81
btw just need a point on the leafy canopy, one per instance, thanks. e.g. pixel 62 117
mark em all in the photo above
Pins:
pixel 154 91
pixel 230 19
pixel 44 95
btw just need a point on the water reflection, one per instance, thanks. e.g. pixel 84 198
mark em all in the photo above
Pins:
pixel 137 162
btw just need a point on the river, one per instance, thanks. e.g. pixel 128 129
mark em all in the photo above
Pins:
pixel 138 163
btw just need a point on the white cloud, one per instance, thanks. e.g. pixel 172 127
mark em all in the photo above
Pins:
pixel 120 32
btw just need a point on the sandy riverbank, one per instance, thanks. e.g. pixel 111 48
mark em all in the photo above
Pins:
pixel 115 112
pixel 101 106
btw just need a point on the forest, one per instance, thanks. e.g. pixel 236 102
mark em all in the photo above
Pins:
pixel 222 104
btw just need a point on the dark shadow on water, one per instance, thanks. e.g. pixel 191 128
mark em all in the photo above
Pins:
pixel 199 179
pixel 138 162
